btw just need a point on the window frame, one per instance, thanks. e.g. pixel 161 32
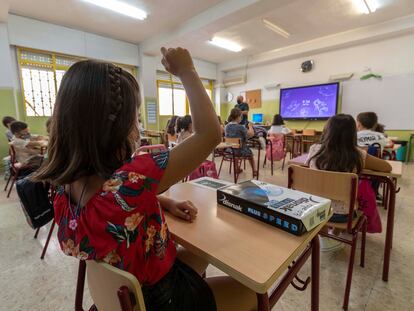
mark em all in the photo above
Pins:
pixel 53 66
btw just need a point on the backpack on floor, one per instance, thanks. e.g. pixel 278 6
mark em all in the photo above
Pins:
pixel 206 169
pixel 277 149
pixel 35 202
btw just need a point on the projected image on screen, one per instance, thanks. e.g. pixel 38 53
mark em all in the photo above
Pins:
pixel 309 102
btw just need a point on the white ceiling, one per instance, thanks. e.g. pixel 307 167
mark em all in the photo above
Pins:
pixel 162 16
pixel 191 23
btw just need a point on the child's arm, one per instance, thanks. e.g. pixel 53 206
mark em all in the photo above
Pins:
pixel 250 131
pixel 377 164
pixel 188 155
pixel 182 209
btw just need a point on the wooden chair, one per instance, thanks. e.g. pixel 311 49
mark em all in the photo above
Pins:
pixel 340 187
pixel 15 170
pixel 113 289
pixel 151 148
pixel 308 139
pixel 234 159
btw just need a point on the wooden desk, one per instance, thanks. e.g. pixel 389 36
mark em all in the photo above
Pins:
pixel 253 253
pixel 389 179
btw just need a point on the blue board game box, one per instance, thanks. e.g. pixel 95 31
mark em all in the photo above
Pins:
pixel 290 210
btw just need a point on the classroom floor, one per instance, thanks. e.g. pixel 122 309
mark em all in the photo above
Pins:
pixel 28 283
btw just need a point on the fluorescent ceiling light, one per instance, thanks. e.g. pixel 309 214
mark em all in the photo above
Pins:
pixel 120 7
pixel 226 44
pixel 276 28
pixel 366 6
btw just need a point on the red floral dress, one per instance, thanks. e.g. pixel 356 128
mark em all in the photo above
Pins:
pixel 123 224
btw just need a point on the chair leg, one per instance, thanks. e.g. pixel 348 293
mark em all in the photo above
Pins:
pixel 363 240
pixel 80 285
pixel 231 164
pixel 350 271
pixel 283 163
pixel 7 184
pixel 36 233
pixel 11 186
pixel 52 226
pixel 221 164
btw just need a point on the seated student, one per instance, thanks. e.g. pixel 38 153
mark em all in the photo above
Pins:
pixel 278 126
pixel 7 121
pixel 184 128
pixel 366 122
pixel 106 204
pixel 27 147
pixel 338 151
pixel 234 129
pixel 170 129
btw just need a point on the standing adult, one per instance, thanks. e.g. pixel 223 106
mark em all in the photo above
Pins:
pixel 244 107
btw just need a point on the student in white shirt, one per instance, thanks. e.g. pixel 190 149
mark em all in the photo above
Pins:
pixel 7 121
pixel 278 126
pixel 27 146
pixel 366 122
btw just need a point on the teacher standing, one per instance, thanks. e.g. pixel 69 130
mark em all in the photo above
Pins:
pixel 244 107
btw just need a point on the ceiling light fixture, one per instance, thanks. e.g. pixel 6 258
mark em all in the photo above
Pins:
pixel 120 7
pixel 226 44
pixel 276 28
pixel 366 6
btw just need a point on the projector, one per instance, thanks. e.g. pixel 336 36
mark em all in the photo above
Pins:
pixel 307 66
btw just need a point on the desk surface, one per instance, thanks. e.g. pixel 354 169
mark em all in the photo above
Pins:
pixel 254 253
pixel 395 172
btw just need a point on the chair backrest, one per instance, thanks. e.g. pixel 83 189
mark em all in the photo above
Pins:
pixel 231 140
pixel 309 132
pixel 374 150
pixel 151 148
pixel 12 153
pixel 104 282
pixel 331 185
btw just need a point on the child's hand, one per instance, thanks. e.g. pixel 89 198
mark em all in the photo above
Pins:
pixel 184 209
pixel 177 61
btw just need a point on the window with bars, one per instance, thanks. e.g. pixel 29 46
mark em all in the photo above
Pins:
pixel 172 99
pixel 41 74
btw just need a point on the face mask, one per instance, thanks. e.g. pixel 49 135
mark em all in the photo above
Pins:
pixel 26 136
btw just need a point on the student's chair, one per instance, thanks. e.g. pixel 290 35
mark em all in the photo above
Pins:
pixel 339 187
pixel 15 170
pixel 113 289
pixel 308 139
pixel 151 148
pixel 275 141
pixel 230 155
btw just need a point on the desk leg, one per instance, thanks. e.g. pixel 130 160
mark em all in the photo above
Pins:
pixel 263 302
pixel 315 274
pixel 390 227
pixel 235 173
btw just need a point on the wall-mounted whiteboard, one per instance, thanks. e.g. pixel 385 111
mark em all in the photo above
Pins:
pixel 392 98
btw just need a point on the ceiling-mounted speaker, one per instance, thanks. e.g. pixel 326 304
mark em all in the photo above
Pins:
pixel 306 66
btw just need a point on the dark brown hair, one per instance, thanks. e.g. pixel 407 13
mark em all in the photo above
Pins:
pixel 94 126
pixel 17 126
pixel 234 114
pixel 184 123
pixel 339 151
pixel 278 120
pixel 7 120
pixel 368 119
pixel 171 125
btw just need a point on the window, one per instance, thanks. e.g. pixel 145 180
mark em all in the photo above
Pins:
pixel 41 75
pixel 172 99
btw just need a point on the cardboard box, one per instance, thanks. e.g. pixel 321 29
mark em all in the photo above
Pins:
pixel 290 210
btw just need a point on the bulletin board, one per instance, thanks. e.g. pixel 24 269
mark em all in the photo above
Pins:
pixel 254 98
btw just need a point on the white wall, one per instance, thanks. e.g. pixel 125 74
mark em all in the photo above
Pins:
pixel 6 80
pixel 389 57
pixel 35 34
